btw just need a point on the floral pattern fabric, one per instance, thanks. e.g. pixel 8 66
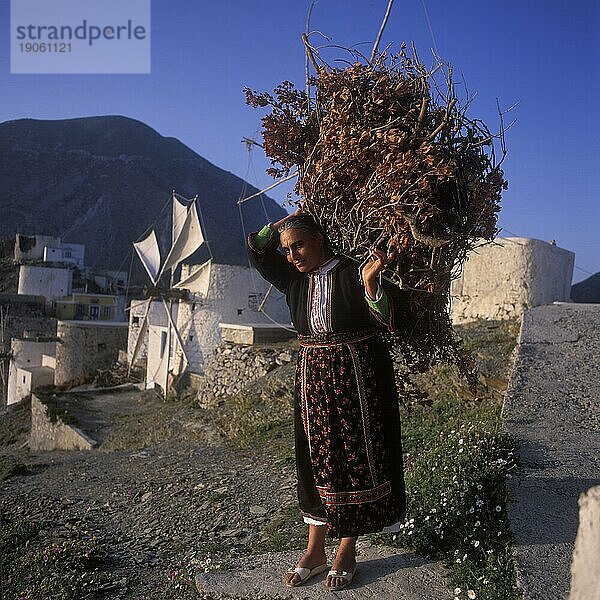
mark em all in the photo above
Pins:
pixel 347 408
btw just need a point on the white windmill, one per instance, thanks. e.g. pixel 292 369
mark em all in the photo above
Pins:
pixel 166 350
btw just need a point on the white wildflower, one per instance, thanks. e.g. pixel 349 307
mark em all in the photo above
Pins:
pixel 471 594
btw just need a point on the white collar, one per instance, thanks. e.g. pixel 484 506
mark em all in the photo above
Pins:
pixel 330 264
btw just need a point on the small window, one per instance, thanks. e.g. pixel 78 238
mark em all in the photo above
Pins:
pixel 107 311
pixel 23 378
pixel 135 320
pixel 163 343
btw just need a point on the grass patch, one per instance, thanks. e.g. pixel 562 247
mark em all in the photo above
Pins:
pixel 15 424
pixel 10 466
pixel 285 531
pixel 38 566
pixel 55 408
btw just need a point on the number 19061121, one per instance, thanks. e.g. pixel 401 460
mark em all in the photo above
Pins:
pixel 57 47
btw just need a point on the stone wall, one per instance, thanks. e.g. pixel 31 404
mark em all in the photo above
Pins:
pixel 232 367
pixel 85 346
pixel 502 280
pixel 49 434
pixel 585 568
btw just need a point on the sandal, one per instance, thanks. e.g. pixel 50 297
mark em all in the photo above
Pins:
pixel 347 576
pixel 305 574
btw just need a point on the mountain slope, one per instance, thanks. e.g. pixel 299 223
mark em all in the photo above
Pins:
pixel 587 290
pixel 102 181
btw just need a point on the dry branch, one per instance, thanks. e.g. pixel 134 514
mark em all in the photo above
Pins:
pixel 386 154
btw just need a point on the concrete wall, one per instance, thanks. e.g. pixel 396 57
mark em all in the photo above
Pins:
pixel 86 346
pixel 48 435
pixel 50 282
pixel 26 353
pixel 501 281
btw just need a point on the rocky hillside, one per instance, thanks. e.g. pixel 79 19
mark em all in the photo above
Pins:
pixel 102 181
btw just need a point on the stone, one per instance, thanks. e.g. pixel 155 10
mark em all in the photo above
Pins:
pixel 585 566
pixel 258 510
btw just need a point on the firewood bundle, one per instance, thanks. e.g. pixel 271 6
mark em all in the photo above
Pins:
pixel 387 157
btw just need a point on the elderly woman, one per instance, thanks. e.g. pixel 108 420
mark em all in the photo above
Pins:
pixel 347 425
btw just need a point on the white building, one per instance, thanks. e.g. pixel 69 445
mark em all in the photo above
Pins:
pixel 31 247
pixel 50 282
pixel 30 365
pixel 217 293
pixel 66 253
pixel 502 280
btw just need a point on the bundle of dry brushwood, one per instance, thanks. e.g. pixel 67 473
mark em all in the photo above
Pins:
pixel 386 157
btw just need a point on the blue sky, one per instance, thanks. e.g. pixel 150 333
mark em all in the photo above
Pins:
pixel 543 55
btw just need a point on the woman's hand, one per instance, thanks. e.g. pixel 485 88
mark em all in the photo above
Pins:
pixel 297 212
pixel 370 271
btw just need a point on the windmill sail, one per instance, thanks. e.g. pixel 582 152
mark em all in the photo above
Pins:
pixel 149 254
pixel 198 281
pixel 188 241
pixel 187 238
pixel 180 211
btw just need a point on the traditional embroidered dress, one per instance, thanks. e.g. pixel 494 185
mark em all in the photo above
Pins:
pixel 347 425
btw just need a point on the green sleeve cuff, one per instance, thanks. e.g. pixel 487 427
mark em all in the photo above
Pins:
pixel 261 239
pixel 381 305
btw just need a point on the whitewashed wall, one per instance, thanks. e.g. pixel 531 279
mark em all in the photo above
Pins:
pixel 233 296
pixel 31 378
pixel 502 280
pixel 25 354
pixel 33 251
pixel 50 282
pixel 157 316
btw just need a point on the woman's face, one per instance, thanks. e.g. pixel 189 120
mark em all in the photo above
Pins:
pixel 303 249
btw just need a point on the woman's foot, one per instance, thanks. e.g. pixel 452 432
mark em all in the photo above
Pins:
pixel 345 560
pixel 310 560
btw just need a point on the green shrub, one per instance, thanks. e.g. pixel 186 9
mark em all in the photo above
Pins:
pixel 36 566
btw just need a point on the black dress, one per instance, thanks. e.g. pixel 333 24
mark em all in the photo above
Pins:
pixel 347 424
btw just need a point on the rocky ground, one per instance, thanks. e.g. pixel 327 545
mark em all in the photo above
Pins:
pixel 180 498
